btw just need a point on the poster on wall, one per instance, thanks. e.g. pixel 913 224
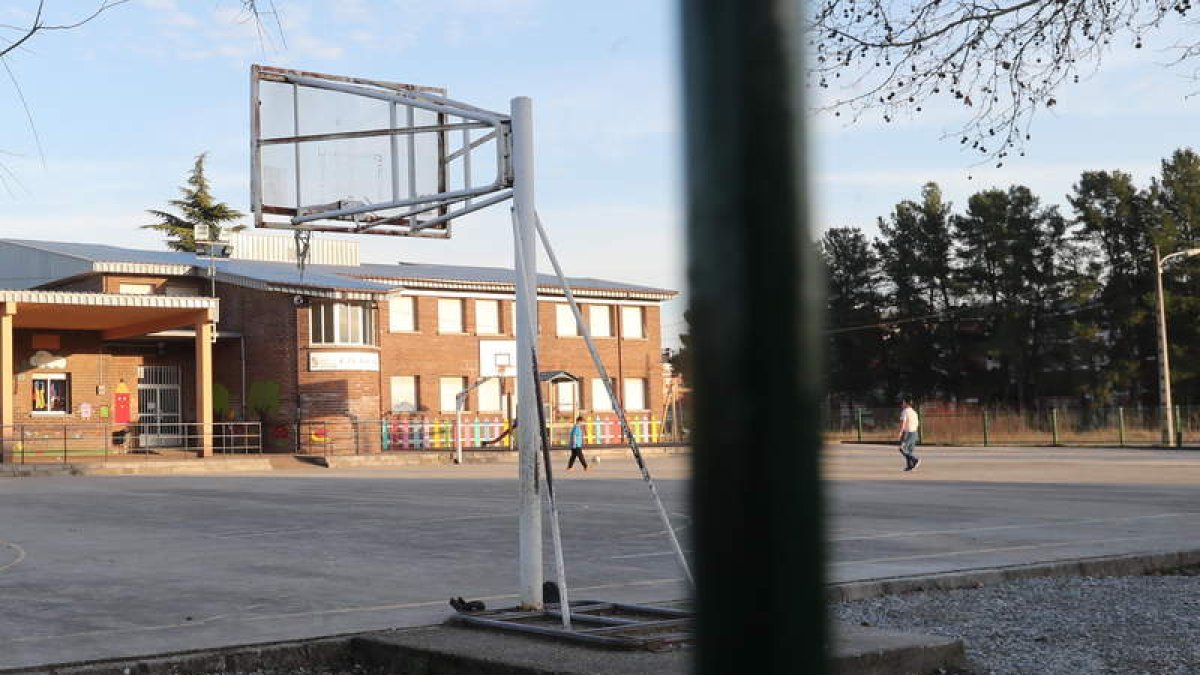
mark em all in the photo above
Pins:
pixel 121 412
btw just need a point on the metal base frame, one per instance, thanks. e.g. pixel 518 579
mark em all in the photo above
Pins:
pixel 596 623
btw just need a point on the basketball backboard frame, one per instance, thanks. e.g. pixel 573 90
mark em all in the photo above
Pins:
pixel 459 133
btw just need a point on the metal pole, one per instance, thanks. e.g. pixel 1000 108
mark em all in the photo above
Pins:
pixel 1164 366
pixel 1121 426
pixel 1054 426
pixel 985 428
pixel 858 415
pixel 618 408
pixel 530 530
pixel 560 566
pixel 754 288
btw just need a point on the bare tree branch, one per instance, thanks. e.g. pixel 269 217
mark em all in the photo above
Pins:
pixel 1003 61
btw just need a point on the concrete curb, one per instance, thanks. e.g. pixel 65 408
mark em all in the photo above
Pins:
pixel 160 468
pixel 1103 566
pixel 858 650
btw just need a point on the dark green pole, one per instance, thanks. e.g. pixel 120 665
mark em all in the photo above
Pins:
pixel 985 429
pixel 1054 426
pixel 755 303
pixel 859 423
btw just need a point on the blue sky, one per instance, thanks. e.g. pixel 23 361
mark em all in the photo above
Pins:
pixel 123 104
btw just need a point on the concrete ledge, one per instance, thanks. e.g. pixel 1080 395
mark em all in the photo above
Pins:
pixel 858 650
pixel 24 470
pixel 188 466
pixel 454 650
pixel 1103 566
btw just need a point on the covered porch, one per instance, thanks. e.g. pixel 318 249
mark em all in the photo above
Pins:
pixel 52 365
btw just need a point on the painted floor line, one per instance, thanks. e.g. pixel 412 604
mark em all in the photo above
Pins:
pixel 996 528
pixel 16 561
pixel 978 551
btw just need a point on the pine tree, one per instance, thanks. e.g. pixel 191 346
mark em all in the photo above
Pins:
pixel 198 207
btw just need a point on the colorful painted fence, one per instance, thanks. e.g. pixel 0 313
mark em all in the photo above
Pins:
pixel 488 432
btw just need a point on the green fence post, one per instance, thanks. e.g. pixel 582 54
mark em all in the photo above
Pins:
pixel 985 429
pixel 1121 426
pixel 858 423
pixel 1054 426
pixel 1178 428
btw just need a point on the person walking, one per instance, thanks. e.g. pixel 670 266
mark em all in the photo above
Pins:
pixel 576 443
pixel 910 423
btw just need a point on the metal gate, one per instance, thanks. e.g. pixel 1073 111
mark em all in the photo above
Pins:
pixel 159 406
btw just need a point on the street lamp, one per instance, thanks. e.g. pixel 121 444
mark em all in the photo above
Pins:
pixel 1164 367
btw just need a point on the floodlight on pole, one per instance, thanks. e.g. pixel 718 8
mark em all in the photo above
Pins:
pixel 1167 413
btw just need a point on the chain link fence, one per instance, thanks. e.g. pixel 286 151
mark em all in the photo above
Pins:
pixel 1116 427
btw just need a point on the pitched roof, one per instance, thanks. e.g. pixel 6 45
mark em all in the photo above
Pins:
pixel 368 278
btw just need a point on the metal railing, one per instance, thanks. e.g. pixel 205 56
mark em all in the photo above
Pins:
pixel 399 433
pixel 90 442
pixel 1116 426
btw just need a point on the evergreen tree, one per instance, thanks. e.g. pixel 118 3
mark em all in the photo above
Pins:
pixel 853 311
pixel 197 207
pixel 1118 221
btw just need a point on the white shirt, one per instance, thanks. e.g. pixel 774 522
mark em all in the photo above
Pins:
pixel 910 420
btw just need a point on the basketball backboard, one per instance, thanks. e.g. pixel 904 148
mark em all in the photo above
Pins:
pixel 345 154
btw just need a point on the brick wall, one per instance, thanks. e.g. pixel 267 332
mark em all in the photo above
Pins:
pixel 430 356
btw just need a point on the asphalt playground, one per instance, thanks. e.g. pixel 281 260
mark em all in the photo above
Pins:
pixel 105 567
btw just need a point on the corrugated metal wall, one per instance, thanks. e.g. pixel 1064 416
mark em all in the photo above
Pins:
pixel 282 248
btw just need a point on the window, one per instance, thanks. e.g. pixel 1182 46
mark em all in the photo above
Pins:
pixel 449 390
pixel 631 322
pixel 404 393
pixel 564 318
pixel 635 393
pixel 135 289
pixel 599 321
pixel 180 291
pixel 450 315
pixel 489 396
pixel 51 394
pixel 402 314
pixel 600 400
pixel 487 317
pixel 564 395
pixel 341 323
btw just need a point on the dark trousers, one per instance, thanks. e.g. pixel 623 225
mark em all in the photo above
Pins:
pixel 577 454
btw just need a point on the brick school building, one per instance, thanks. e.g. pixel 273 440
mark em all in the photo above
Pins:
pixel 342 356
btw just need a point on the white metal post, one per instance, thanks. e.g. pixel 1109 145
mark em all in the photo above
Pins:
pixel 1164 366
pixel 530 531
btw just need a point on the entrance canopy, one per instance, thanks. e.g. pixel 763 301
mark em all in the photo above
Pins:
pixel 114 317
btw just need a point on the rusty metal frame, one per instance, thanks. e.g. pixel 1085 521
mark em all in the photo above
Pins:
pixel 346 216
pixel 668 626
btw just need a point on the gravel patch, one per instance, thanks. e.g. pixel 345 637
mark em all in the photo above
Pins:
pixel 1057 626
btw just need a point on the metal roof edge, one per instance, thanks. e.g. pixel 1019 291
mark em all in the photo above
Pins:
pixel 32 244
pixel 45 297
pixel 504 287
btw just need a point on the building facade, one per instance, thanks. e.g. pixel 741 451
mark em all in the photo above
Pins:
pixel 338 345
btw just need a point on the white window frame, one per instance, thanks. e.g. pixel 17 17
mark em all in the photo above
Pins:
pixel 402 314
pixel 444 313
pixel 492 313
pixel 600 400
pixel 600 320
pixel 449 387
pixel 564 321
pixel 633 322
pixel 48 377
pixel 135 289
pixel 344 324
pixel 637 387
pixel 410 384
pixel 488 396
pixel 572 390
